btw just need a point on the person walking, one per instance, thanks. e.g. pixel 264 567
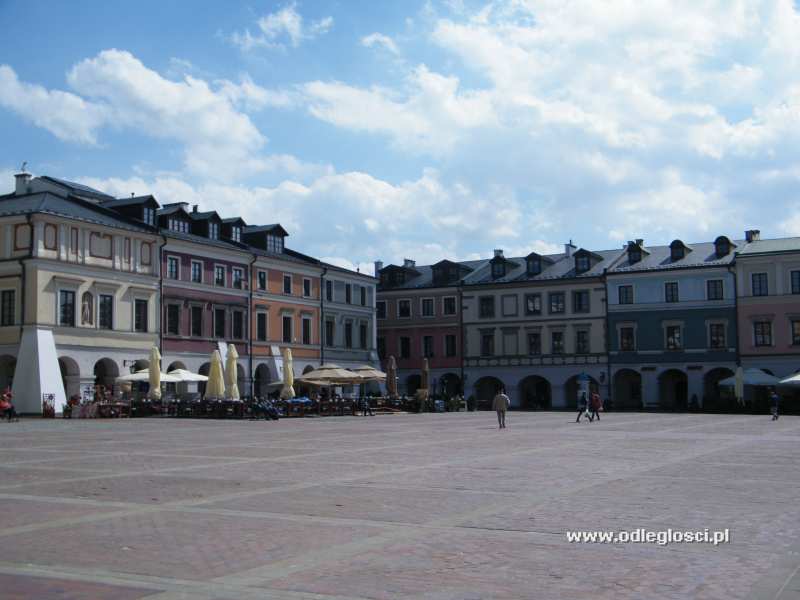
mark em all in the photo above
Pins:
pixel 582 407
pixel 595 404
pixel 774 400
pixel 367 409
pixel 500 405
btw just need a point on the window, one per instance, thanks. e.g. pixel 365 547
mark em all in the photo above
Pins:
pixel 287 329
pixel 219 323
pixel 140 310
pixel 762 333
pixel 557 341
pixel 760 286
pixel 556 303
pixel 197 272
pixel 196 318
pixel 329 291
pixel 716 336
pixel 173 267
pixel 237 325
pixel 173 319
pixel 306 330
pixel 634 255
pixel 329 331
pixel 149 215
pixel 236 234
pixel 580 301
pixel 213 230
pixel 306 287
pixel 275 244
pixel 427 307
pixel 363 292
pixel 404 309
pixel 262 281
pixel 381 347
pixel 66 303
pixel 362 336
pixel 625 293
pixel 714 289
pixel 795 333
pixel 287 284
pixel 510 343
pixel 105 311
pixel 261 326
pixel 348 335
pixel 487 307
pixel 676 251
pixel 348 293
pixel 796 282
pixel 674 341
pixel 581 264
pixel 534 343
pixel 427 346
pixel 380 309
pixel 405 347
pixel 533 304
pixel 582 342
pixel 178 225
pixel 671 291
pixel 7 308
pixel 449 305
pixel 534 265
pixel 238 278
pixel 219 275
pixel 487 344
pixel 498 269
pixel 449 345
pixel 627 339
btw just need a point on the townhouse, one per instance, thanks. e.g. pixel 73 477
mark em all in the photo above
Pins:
pixel 672 324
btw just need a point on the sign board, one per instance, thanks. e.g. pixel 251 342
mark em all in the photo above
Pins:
pixel 48 406
pixel 87 392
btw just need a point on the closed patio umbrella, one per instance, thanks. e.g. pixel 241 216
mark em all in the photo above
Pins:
pixel 287 391
pixel 738 387
pixel 232 373
pixel 425 375
pixel 155 374
pixel 215 387
pixel 391 377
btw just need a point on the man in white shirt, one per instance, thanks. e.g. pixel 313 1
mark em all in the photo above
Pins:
pixel 500 404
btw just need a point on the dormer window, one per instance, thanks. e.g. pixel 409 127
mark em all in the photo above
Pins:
pixel 236 234
pixel 677 251
pixel 213 230
pixel 274 244
pixel 634 255
pixel 178 225
pixel 149 215
pixel 498 269
pixel 582 264
pixel 722 246
pixel 534 265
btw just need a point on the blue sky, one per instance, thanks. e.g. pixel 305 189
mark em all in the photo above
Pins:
pixel 428 129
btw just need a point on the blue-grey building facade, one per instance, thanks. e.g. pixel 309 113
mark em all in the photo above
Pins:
pixel 672 326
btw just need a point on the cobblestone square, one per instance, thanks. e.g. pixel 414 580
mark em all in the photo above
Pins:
pixel 434 506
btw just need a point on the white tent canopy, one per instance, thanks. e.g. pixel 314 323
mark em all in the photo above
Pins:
pixel 754 377
pixel 144 375
pixel 186 376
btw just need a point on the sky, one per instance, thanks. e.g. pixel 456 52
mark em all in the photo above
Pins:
pixel 422 129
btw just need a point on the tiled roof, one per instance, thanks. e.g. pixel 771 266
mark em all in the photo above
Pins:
pixel 118 202
pixel 79 189
pixel 791 244
pixel 658 258
pixel 202 216
pixel 265 228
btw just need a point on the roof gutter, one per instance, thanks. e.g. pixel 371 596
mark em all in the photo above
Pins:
pixel 322 315
pixel 250 326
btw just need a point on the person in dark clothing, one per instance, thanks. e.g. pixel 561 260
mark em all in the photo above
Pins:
pixel 582 407
pixel 366 408
pixel 774 401
pixel 594 406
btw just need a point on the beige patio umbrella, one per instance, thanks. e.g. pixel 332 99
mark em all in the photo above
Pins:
pixel 155 374
pixel 370 373
pixel 426 374
pixel 391 377
pixel 287 391
pixel 232 373
pixel 330 374
pixel 738 387
pixel 184 376
pixel 215 387
pixel 144 375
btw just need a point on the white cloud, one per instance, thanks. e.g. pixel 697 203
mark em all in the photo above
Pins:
pixel 380 40
pixel 283 26
pixel 65 115
pixel 251 97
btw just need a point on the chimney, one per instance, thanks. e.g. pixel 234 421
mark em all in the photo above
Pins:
pixel 409 264
pixel 639 242
pixel 752 235
pixel 378 267
pixel 498 252
pixel 568 248
pixel 23 183
pixel 194 208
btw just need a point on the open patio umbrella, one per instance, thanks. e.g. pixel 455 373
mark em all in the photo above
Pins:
pixel 330 374
pixel 754 377
pixel 155 374
pixel 792 380
pixel 232 373
pixel 370 373
pixel 144 375
pixel 287 391
pixel 391 377
pixel 215 387
pixel 183 376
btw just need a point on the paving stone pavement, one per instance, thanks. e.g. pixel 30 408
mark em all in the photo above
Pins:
pixel 439 506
